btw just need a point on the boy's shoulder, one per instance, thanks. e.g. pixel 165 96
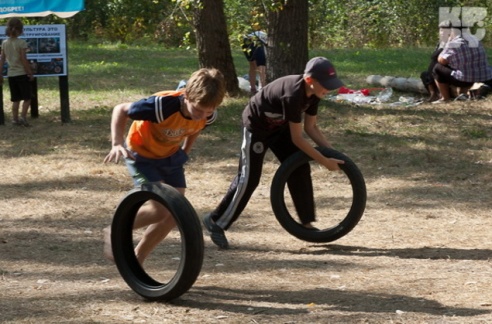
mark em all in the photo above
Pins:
pixel 293 81
pixel 170 93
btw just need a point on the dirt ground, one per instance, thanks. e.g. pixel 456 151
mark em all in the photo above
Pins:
pixel 420 254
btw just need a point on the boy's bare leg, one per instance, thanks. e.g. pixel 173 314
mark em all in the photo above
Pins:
pixel 156 231
pixel 159 221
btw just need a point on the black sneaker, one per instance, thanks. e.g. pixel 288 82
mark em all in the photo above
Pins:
pixel 216 233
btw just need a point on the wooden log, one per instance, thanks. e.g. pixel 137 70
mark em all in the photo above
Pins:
pixel 398 83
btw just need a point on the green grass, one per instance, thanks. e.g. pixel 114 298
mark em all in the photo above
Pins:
pixel 145 69
pixel 103 75
pixel 395 62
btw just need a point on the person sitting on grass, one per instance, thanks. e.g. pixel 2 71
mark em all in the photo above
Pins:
pixel 164 128
pixel 462 62
pixel 273 119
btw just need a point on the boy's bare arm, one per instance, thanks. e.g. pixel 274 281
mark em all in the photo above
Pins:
pixel 312 130
pixel 119 119
pixel 188 142
pixel 305 146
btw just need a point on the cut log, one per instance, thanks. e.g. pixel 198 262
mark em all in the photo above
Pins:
pixel 398 83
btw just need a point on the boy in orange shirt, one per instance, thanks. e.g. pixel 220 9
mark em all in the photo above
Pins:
pixel 163 130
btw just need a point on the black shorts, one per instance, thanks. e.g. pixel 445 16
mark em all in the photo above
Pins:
pixel 20 88
pixel 254 51
pixel 442 73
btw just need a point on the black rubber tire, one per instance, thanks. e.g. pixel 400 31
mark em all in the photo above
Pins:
pixel 287 221
pixel 192 244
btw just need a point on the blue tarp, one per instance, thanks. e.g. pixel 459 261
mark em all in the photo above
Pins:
pixel 40 8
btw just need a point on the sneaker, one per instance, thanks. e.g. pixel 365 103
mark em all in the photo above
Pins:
pixel 23 122
pixel 461 97
pixel 16 122
pixel 216 233
pixel 310 226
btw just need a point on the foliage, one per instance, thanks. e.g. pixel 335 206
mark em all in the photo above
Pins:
pixel 378 23
pixel 125 21
pixel 332 23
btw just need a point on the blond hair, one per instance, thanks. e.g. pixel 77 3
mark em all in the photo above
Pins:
pixel 206 87
pixel 14 27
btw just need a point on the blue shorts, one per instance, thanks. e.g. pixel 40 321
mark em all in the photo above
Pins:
pixel 169 170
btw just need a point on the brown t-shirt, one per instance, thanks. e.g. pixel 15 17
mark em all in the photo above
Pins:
pixel 278 103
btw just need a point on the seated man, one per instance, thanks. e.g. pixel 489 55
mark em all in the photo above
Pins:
pixel 462 62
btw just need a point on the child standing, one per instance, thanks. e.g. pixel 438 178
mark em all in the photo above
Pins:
pixel 273 119
pixel 163 130
pixel 253 47
pixel 14 52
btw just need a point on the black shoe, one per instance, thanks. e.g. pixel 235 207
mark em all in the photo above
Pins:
pixel 216 233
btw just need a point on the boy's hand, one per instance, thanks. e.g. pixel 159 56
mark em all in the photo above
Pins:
pixel 116 153
pixel 332 164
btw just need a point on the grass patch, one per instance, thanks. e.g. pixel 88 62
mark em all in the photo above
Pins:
pixel 474 133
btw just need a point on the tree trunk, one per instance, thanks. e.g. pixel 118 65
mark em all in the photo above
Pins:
pixel 212 41
pixel 287 51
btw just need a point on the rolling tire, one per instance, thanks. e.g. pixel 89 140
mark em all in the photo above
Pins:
pixel 191 249
pixel 351 213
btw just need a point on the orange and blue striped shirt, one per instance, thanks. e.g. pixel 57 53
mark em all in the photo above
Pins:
pixel 159 126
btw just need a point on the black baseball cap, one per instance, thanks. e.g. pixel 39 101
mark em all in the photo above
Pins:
pixel 323 71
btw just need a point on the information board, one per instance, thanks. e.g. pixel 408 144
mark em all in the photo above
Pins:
pixel 47 51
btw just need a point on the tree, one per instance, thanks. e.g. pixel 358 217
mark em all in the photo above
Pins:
pixel 287 29
pixel 212 41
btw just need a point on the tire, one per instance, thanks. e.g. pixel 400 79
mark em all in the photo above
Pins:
pixel 340 214
pixel 186 264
